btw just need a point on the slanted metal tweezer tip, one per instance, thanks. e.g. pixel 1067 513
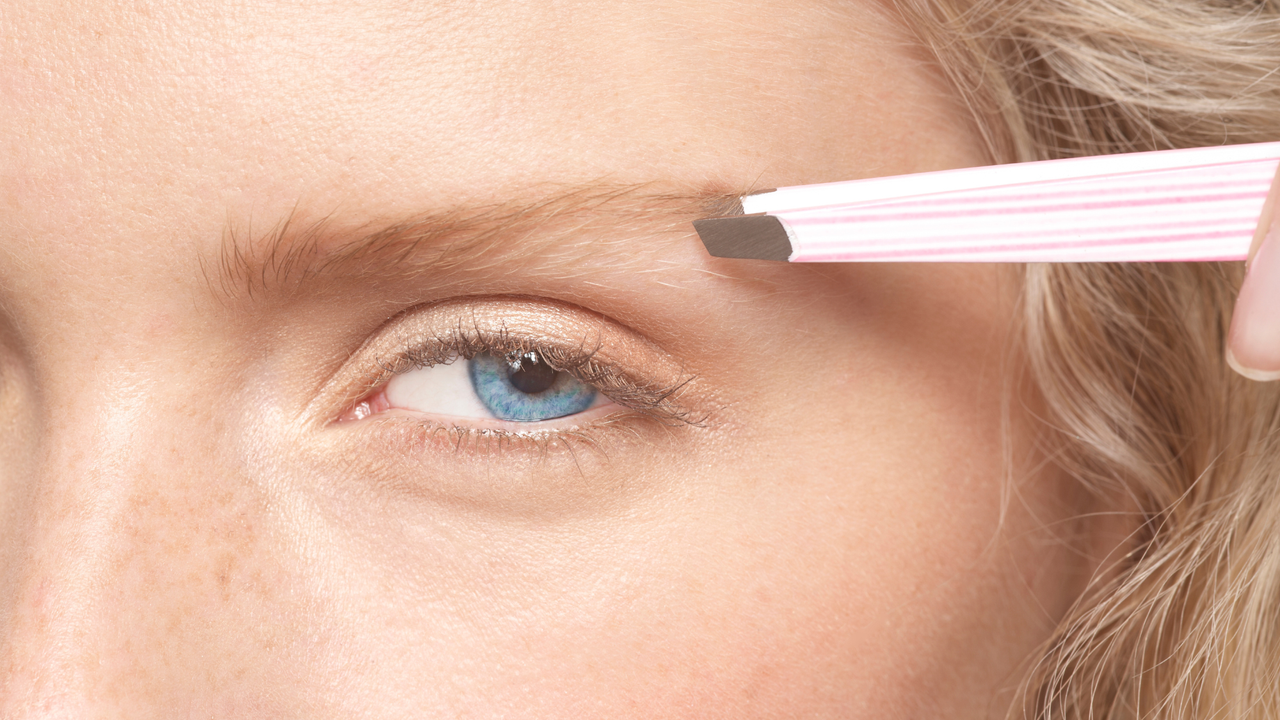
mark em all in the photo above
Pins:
pixel 748 237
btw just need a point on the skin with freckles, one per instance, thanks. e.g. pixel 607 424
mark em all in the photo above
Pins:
pixel 224 226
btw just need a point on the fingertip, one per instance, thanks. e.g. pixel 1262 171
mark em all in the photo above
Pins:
pixel 1253 342
pixel 1248 372
pixel 1267 219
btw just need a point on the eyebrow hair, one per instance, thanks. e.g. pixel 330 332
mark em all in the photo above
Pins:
pixel 298 252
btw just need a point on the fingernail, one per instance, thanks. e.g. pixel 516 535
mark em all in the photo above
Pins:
pixel 1252 374
pixel 1253 343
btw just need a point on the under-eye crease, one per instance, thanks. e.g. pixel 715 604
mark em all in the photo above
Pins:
pixel 588 353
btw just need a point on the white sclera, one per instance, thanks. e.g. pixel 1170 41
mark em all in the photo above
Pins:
pixel 437 390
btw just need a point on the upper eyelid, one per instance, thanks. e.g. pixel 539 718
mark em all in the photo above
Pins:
pixel 595 349
pixel 471 342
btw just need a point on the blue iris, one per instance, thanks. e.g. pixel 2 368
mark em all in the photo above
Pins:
pixel 527 390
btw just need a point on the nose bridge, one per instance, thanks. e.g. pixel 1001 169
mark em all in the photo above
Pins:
pixel 66 558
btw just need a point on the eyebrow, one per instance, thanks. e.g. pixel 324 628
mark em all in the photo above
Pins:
pixel 299 252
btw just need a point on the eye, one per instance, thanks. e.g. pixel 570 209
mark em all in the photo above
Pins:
pixel 483 365
pixel 520 388
pixel 507 404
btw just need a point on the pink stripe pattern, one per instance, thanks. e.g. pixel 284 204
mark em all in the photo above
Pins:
pixel 1207 210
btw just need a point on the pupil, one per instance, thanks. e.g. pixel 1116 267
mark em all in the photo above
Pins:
pixel 530 375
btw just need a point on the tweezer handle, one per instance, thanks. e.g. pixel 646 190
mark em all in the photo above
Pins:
pixel 1192 204
pixel 1200 213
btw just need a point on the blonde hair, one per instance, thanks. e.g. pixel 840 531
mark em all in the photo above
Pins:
pixel 1141 405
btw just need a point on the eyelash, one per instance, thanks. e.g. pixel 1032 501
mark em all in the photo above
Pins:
pixel 647 400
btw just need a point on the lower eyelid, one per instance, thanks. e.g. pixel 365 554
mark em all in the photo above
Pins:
pixel 557 468
pixel 605 408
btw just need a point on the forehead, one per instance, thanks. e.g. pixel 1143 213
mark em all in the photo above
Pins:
pixel 139 127
pixel 514 89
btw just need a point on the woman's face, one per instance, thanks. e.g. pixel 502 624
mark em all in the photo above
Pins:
pixel 226 225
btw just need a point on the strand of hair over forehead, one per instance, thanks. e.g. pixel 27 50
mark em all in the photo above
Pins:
pixel 1142 408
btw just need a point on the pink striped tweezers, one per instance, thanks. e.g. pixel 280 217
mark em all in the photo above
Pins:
pixel 1177 205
